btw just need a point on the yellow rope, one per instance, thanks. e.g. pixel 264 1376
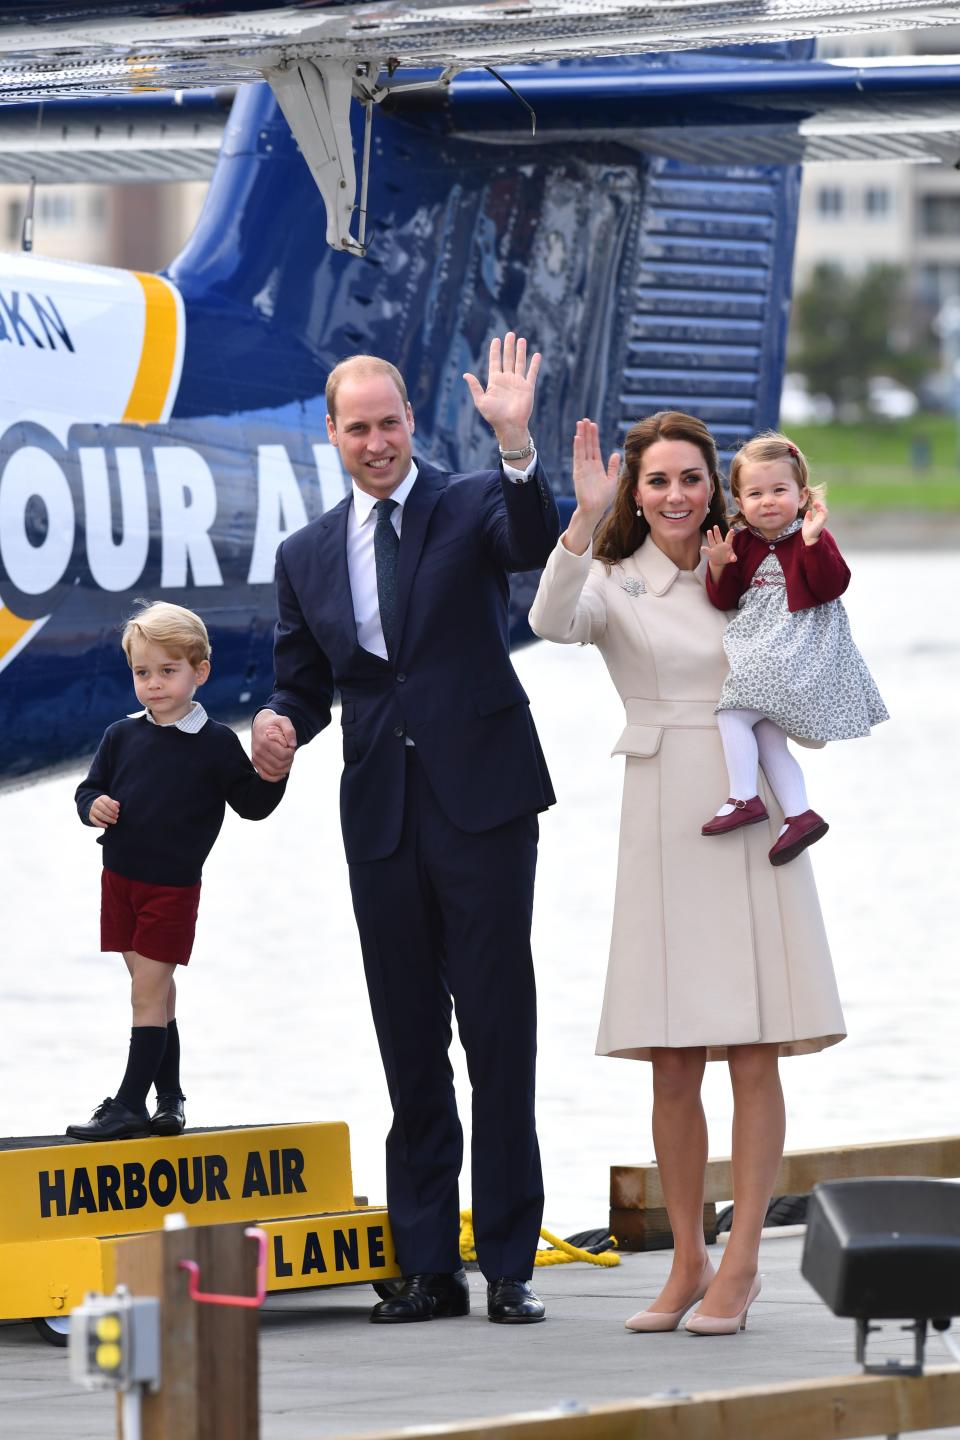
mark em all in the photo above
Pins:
pixel 560 1253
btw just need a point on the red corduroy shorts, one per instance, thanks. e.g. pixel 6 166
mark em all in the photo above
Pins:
pixel 157 921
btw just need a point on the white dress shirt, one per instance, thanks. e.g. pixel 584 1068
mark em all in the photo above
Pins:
pixel 361 562
pixel 190 724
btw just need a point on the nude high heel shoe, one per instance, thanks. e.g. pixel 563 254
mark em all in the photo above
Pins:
pixel 650 1322
pixel 723 1324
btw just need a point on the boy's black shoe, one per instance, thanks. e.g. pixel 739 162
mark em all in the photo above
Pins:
pixel 112 1121
pixel 168 1118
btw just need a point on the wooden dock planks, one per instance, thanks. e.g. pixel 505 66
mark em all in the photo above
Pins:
pixel 637 1213
pixel 839 1408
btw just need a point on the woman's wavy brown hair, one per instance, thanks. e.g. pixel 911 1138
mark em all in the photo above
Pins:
pixel 624 530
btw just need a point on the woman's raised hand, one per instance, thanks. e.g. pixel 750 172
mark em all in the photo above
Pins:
pixel 594 484
pixel 717 550
pixel 814 521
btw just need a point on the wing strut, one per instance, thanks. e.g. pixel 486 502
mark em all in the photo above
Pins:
pixel 315 97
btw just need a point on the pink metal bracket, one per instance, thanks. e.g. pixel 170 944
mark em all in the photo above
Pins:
pixel 248 1301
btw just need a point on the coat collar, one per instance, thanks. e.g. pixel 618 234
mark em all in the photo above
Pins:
pixel 657 569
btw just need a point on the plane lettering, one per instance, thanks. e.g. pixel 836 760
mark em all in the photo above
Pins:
pixel 94 510
pixel 188 1179
pixel 14 325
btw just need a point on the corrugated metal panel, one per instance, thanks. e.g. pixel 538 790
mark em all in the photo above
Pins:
pixel 709 322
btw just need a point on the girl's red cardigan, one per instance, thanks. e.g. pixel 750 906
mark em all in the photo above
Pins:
pixel 814 574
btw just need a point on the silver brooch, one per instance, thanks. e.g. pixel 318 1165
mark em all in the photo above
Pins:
pixel 633 587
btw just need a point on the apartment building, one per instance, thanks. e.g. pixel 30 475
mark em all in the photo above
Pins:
pixel 862 212
pixel 140 227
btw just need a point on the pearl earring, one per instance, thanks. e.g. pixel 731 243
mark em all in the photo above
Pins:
pixel 639 513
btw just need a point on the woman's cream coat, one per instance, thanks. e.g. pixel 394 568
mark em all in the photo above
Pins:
pixel 711 944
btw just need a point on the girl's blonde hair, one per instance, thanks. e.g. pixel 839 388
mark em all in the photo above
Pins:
pixel 175 629
pixel 772 445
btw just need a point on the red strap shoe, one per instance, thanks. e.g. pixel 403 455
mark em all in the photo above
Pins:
pixel 802 830
pixel 745 812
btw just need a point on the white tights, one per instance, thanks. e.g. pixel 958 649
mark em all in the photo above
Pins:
pixel 749 739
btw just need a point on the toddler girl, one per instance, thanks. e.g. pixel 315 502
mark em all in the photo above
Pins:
pixel 794 669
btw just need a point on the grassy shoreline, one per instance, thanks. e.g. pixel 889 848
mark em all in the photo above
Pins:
pixel 889 465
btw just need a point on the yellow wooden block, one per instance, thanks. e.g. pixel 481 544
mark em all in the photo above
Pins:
pixel 64 1207
pixel 52 1278
pixel 120 1187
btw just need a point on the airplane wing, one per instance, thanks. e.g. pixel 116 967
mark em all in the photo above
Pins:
pixel 723 111
pixel 320 55
pixel 56 48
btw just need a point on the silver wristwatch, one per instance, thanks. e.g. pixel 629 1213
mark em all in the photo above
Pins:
pixel 523 454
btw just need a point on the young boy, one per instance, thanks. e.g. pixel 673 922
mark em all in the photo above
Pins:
pixel 157 789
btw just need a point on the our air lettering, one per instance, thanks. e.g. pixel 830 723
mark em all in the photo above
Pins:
pixel 215 1169
pixel 254 1178
pixel 293 1172
pixel 191 1179
pixel 163 1182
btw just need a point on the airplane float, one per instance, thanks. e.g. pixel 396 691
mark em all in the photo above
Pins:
pixel 402 178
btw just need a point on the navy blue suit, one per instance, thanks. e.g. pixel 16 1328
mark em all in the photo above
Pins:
pixel 440 838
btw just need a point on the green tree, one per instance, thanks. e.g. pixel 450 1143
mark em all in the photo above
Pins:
pixel 847 328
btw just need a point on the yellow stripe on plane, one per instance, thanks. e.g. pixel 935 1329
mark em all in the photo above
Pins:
pixel 12 631
pixel 158 354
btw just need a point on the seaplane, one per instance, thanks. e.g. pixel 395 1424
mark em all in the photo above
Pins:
pixel 408 177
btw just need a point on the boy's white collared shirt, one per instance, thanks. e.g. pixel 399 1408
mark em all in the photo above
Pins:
pixel 194 720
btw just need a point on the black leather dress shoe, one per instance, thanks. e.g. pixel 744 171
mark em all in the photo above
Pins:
pixel 425 1297
pixel 112 1121
pixel 513 1302
pixel 168 1118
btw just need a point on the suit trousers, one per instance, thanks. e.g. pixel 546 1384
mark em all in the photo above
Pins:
pixel 445 921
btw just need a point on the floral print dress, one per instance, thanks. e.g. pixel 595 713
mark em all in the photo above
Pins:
pixel 801 669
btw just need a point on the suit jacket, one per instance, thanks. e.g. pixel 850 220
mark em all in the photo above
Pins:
pixel 450 686
pixel 814 574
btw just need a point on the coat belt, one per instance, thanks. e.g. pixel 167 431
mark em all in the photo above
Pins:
pixel 672 714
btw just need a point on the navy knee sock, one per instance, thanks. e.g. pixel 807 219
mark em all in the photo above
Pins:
pixel 147 1043
pixel 167 1078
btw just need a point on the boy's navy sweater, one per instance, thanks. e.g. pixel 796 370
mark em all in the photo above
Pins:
pixel 172 789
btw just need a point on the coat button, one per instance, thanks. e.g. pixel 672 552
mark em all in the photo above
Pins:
pixel 398 731
pixel 773 547
pixel 400 677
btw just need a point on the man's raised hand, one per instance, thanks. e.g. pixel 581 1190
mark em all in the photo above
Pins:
pixel 507 402
pixel 273 743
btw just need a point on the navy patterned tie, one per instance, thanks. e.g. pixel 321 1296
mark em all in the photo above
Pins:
pixel 386 547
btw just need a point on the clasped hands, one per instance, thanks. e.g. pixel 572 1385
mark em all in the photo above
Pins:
pixel 273 744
